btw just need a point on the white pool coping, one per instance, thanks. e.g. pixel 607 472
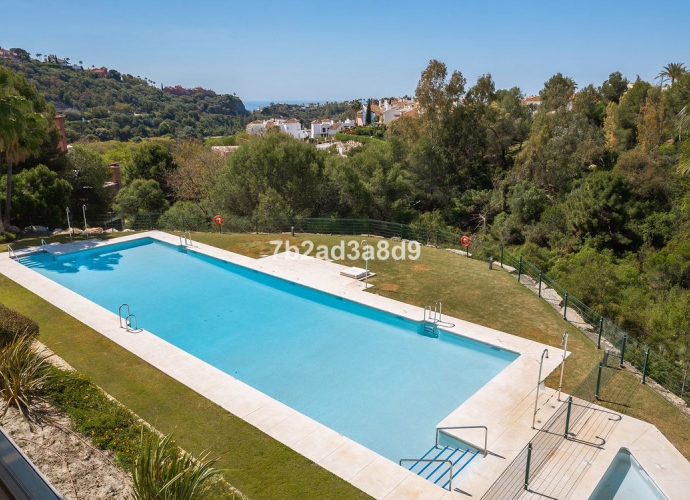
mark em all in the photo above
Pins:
pixel 504 404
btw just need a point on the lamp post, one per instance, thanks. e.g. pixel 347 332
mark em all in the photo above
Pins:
pixel 564 343
pixel 366 263
pixel 536 400
pixel 69 226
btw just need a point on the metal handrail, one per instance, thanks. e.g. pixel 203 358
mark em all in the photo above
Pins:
pixel 119 312
pixel 430 460
pixel 43 243
pixel 11 252
pixel 184 241
pixel 485 451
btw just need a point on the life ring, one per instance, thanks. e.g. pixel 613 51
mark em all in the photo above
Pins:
pixel 465 241
pixel 218 220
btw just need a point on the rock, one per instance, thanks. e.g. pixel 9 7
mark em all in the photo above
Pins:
pixel 111 230
pixel 14 229
pixel 36 230
pixel 94 230
pixel 128 230
pixel 57 231
pixel 76 230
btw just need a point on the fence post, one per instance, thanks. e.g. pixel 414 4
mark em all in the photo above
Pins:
pixel 565 307
pixel 529 459
pixel 625 341
pixel 682 389
pixel 540 274
pixel 644 368
pixel 519 268
pixel 501 256
pixel 601 329
pixel 150 223
pixel 401 232
pixel 596 394
pixel 368 227
pixel 567 417
pixel 436 243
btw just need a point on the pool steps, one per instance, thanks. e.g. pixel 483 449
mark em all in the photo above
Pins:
pixel 435 466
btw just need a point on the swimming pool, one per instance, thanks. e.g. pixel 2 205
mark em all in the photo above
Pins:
pixel 360 371
pixel 625 479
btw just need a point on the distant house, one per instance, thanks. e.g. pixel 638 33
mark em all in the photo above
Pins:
pixel 323 129
pixel 387 110
pixel 101 72
pixel 291 127
pixel 531 99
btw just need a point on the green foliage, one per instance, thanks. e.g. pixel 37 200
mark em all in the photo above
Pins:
pixel 128 107
pixel 337 110
pixel 151 161
pixel 90 173
pixel 599 211
pixel 614 87
pixel 557 93
pixel 140 196
pixel 13 325
pixel 39 196
pixel 340 136
pixel 109 425
pixel 163 472
pixel 230 140
pixel 24 377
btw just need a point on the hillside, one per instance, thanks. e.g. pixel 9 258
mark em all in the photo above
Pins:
pixel 123 107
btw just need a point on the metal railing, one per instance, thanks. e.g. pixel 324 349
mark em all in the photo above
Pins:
pixel 485 451
pixel 11 252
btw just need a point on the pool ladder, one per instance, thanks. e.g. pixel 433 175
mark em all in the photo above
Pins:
pixel 186 241
pixel 430 323
pixel 130 320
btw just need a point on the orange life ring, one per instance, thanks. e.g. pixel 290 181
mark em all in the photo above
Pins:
pixel 465 241
pixel 218 220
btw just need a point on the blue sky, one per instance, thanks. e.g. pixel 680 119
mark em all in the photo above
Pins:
pixel 337 50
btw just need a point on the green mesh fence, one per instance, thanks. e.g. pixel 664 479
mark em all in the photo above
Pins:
pixel 658 368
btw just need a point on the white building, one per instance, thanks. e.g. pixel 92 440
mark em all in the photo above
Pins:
pixel 291 127
pixel 323 129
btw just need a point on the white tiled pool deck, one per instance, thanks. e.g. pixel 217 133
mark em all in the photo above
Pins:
pixel 504 404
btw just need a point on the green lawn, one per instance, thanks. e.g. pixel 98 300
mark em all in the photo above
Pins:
pixel 260 466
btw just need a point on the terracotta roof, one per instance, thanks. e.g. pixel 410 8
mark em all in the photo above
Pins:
pixel 335 126
pixel 412 113
pixel 376 110
pixel 531 99
pixel 292 120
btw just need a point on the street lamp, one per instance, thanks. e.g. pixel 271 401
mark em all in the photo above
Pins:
pixel 541 363
pixel 564 343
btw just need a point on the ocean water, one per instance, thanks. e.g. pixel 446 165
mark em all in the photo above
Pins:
pixel 363 372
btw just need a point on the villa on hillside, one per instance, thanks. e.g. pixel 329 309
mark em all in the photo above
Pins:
pixel 323 129
pixel 292 127
pixel 387 110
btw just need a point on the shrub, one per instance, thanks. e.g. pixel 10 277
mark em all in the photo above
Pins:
pixel 13 324
pixel 162 471
pixel 23 378
pixel 109 425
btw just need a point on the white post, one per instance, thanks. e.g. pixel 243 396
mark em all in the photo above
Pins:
pixel 536 400
pixel 69 226
pixel 564 343
pixel 366 264
pixel 83 211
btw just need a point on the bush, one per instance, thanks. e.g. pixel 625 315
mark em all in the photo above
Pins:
pixel 13 324
pixel 163 472
pixel 109 425
pixel 23 378
pixel 7 237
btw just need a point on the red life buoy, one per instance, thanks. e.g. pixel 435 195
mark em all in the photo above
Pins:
pixel 465 241
pixel 218 220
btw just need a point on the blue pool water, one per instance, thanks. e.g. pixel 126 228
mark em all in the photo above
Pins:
pixel 362 372
pixel 625 479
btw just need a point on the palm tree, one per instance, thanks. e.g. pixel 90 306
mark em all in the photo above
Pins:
pixel 21 131
pixel 673 71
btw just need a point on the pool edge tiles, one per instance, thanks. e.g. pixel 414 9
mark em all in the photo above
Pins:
pixel 365 469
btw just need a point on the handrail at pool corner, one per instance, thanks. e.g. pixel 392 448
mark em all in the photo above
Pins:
pixel 430 460
pixel 485 451
pixel 11 252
